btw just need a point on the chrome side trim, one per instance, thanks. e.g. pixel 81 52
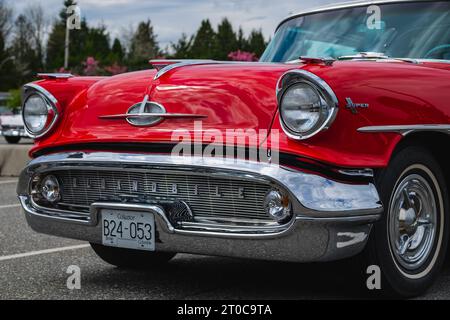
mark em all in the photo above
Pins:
pixel 344 5
pixel 52 102
pixel 313 195
pixel 158 115
pixel 321 85
pixel 40 89
pixel 55 75
pixel 185 63
pixel 182 63
pixel 404 130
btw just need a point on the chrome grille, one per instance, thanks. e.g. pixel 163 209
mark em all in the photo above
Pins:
pixel 207 196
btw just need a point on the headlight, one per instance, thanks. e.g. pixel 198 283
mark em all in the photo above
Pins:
pixel 307 105
pixel 50 189
pixel 38 115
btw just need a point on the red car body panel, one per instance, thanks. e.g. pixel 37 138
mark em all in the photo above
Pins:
pixel 243 96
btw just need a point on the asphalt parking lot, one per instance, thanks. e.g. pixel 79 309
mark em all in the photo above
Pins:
pixel 33 266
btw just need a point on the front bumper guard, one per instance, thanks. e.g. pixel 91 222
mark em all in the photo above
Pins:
pixel 332 219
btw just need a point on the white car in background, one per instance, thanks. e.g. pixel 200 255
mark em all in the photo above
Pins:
pixel 12 128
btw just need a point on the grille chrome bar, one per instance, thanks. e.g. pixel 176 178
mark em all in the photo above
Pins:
pixel 206 196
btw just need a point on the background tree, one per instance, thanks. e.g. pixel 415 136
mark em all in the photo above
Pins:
pixel 143 47
pixel 56 41
pixel 97 44
pixel 226 41
pixel 241 40
pixel 256 43
pixel 38 26
pixel 15 100
pixel 203 46
pixel 117 52
pixel 25 59
pixel 6 58
pixel 182 49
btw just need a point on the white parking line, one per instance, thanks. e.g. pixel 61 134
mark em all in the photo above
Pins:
pixel 8 182
pixel 10 206
pixel 36 253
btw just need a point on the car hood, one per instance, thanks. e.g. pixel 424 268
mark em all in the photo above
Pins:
pixel 230 96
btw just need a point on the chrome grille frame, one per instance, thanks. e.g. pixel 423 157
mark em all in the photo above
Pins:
pixel 81 188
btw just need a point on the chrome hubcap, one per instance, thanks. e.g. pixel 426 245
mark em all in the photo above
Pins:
pixel 412 222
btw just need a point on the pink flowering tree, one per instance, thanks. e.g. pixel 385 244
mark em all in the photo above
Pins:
pixel 242 56
pixel 90 66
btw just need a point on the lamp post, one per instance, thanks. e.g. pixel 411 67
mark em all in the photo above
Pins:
pixel 66 47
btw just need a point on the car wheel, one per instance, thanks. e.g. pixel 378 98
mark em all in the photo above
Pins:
pixel 409 243
pixel 12 140
pixel 131 259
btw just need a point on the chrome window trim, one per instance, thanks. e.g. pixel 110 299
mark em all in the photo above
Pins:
pixel 345 5
pixel 47 96
pixel 324 89
pixel 55 75
pixel 404 130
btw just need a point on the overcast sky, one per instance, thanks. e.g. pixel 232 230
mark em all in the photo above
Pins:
pixel 173 17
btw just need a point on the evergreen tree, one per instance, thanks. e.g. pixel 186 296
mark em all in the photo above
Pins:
pixel 256 43
pixel 144 46
pixel 226 41
pixel 97 44
pixel 182 49
pixel 117 51
pixel 241 41
pixel 203 46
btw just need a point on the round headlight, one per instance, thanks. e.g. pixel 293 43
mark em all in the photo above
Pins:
pixel 277 206
pixel 50 189
pixel 38 115
pixel 305 110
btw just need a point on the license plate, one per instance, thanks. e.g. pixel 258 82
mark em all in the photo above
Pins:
pixel 128 229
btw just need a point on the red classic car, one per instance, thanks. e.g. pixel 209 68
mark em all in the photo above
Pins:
pixel 332 146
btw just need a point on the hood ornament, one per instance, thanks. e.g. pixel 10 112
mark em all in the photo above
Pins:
pixel 148 113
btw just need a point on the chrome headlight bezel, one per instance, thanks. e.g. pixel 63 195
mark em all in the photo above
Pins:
pixel 330 102
pixel 34 90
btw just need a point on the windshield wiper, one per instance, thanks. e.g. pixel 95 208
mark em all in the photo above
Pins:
pixel 374 56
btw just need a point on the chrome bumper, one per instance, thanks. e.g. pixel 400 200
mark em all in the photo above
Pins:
pixel 332 220
pixel 13 132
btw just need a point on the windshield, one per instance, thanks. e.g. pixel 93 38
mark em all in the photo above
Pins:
pixel 407 30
